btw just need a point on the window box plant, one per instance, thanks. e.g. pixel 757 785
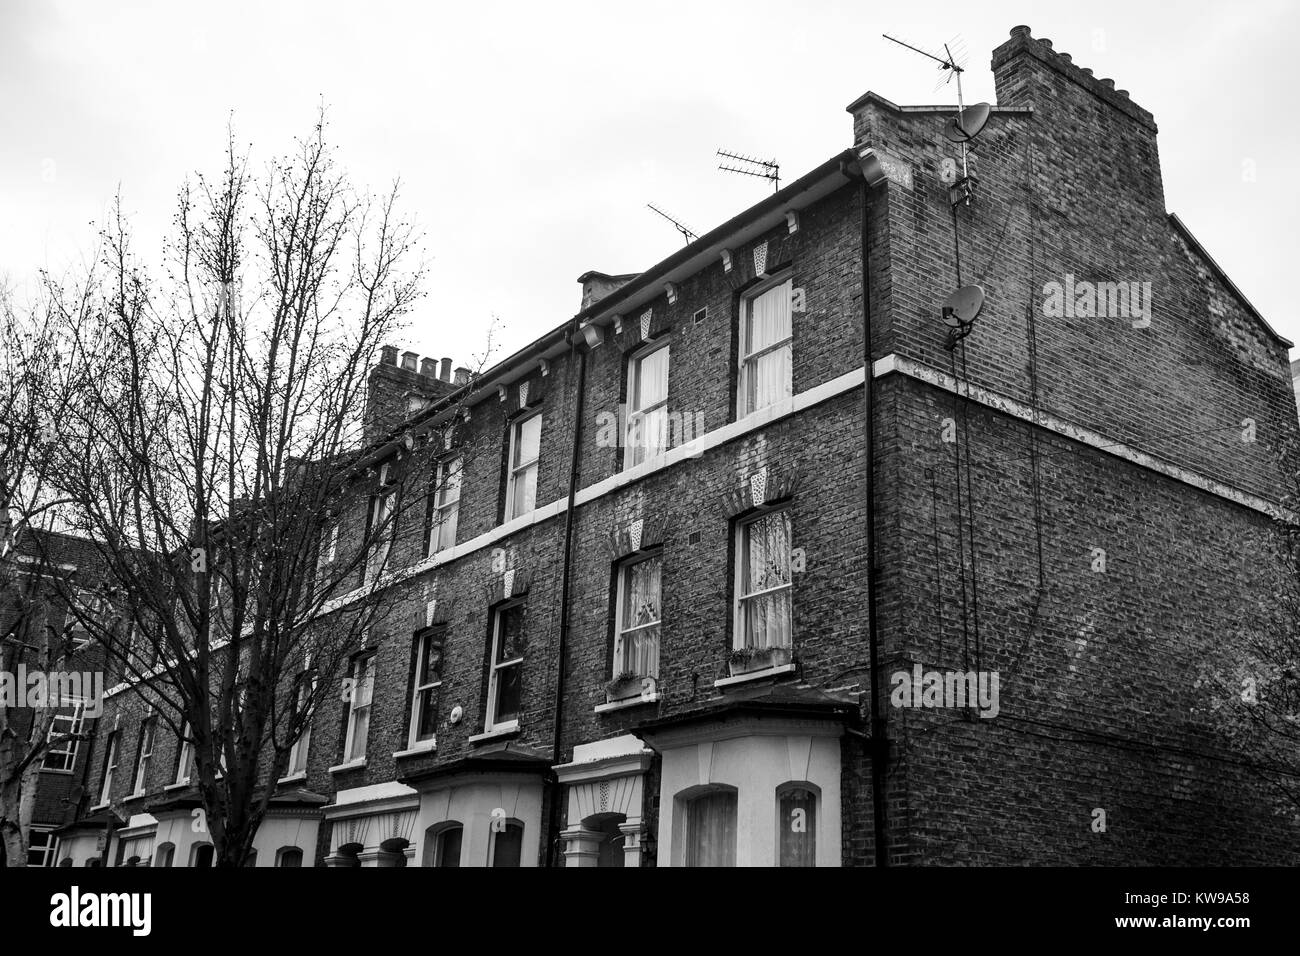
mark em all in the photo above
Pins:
pixel 746 660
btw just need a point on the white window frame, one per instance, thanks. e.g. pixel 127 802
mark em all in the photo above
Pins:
pixel 301 749
pixel 185 761
pixel 519 469
pixel 490 723
pixel 69 748
pixel 743 598
pixel 329 544
pixel 144 757
pixel 620 633
pixel 418 692
pixel 382 507
pixel 444 504
pixel 90 603
pixel 359 684
pixel 749 359
pixel 636 453
pixel 111 757
pixel 47 848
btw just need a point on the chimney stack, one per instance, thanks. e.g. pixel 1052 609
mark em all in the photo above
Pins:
pixel 446 370
pixel 462 376
pixel 408 360
pixel 429 367
pixel 388 355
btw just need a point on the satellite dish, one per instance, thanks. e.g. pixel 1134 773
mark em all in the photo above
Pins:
pixel 968 124
pixel 962 306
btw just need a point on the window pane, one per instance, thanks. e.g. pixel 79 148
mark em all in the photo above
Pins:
pixel 651 379
pixel 767 620
pixel 767 552
pixel 507 690
pixel 529 440
pixel 427 721
pixel 450 486
pixel 448 853
pixel 769 318
pixel 711 830
pixel 512 638
pixel 769 379
pixel 508 846
pixel 798 826
pixel 524 492
pixel 641 593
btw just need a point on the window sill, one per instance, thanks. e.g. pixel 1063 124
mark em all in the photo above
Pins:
pixel 754 675
pixel 350 765
pixel 55 770
pixel 99 806
pixel 136 796
pixel 176 786
pixel 628 702
pixel 293 777
pixel 423 747
pixel 497 733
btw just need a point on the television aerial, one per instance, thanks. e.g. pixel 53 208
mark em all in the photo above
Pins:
pixel 687 233
pixel 768 169
pixel 965 125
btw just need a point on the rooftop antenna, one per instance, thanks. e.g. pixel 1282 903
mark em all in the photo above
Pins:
pixel 687 234
pixel 762 168
pixel 967 124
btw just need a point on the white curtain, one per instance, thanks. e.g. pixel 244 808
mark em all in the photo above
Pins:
pixel 767 566
pixel 648 420
pixel 641 614
pixel 768 376
pixel 711 830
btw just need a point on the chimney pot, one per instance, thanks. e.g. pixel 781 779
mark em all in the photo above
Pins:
pixel 408 360
pixel 462 375
pixel 389 355
pixel 446 370
pixel 429 367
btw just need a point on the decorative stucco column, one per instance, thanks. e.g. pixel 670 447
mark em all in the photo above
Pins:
pixel 581 846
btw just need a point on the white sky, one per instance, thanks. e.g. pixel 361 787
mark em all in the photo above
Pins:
pixel 529 136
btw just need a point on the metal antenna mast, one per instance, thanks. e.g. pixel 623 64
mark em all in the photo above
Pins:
pixel 946 62
pixel 687 233
pixel 762 168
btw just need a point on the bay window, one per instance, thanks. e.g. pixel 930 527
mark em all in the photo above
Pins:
pixel 711 829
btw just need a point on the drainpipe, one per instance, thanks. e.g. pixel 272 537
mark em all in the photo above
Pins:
pixel 553 829
pixel 878 746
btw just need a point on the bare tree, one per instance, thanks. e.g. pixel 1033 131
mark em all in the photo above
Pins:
pixel 221 465
pixel 39 381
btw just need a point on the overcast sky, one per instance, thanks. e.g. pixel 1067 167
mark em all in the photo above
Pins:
pixel 530 136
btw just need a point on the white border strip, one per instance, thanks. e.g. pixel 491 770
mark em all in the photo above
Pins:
pixel 1009 406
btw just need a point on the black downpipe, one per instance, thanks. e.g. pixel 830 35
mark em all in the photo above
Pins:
pixel 879 744
pixel 557 791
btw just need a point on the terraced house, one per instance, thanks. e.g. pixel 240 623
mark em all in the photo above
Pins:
pixel 673 545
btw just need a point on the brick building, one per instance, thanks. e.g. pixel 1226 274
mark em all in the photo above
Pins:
pixel 673 544
pixel 36 559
